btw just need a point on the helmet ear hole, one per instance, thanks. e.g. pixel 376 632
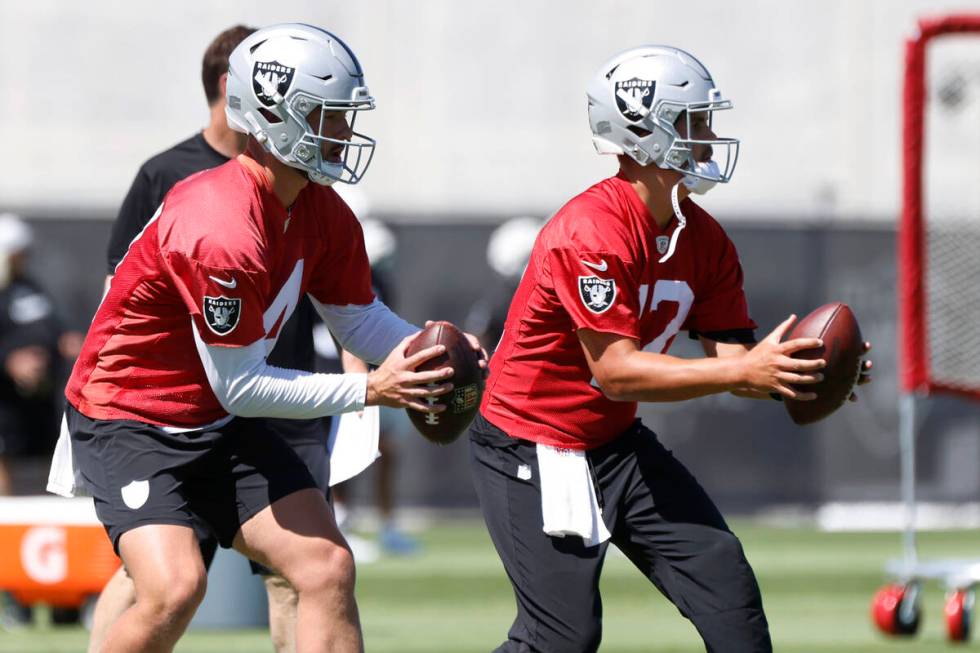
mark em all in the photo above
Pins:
pixel 639 131
pixel 270 117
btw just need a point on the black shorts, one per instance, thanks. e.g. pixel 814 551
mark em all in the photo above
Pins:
pixel 308 438
pixel 139 474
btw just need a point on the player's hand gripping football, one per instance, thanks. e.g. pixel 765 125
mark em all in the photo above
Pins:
pixel 396 383
pixel 768 367
pixel 865 376
pixel 477 347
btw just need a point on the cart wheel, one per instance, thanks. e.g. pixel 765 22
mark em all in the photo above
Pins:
pixel 895 609
pixel 62 616
pixel 14 615
pixel 959 609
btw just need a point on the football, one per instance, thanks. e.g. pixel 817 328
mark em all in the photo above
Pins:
pixel 842 348
pixel 464 400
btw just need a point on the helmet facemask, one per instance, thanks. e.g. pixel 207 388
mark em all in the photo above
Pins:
pixel 658 127
pixel 307 150
pixel 680 154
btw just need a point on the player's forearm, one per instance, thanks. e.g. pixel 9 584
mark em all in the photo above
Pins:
pixel 293 394
pixel 368 331
pixel 247 386
pixel 645 376
pixel 351 363
pixel 746 393
pixel 715 349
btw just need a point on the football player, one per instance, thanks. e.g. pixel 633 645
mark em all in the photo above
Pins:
pixel 213 146
pixel 178 355
pixel 561 465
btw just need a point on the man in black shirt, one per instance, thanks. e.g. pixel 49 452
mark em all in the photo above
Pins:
pixel 212 147
pixel 30 358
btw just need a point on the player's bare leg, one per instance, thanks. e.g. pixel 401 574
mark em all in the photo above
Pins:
pixel 386 478
pixel 165 564
pixel 4 477
pixel 116 597
pixel 297 536
pixel 282 613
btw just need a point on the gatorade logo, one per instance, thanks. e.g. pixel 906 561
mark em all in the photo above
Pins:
pixel 43 554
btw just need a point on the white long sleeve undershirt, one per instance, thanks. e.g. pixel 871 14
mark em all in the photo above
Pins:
pixel 369 331
pixel 247 386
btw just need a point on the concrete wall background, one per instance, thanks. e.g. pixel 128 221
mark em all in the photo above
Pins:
pixel 481 105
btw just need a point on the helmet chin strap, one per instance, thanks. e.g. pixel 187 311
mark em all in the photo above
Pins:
pixel 681 223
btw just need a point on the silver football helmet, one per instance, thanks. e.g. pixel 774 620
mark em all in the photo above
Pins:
pixel 282 73
pixel 635 100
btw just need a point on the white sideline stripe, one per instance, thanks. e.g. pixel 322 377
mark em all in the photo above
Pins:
pixel 890 516
pixel 47 511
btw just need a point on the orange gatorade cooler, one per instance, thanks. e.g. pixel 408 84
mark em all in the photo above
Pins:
pixel 53 550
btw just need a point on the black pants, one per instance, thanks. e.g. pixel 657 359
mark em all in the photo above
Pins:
pixel 659 516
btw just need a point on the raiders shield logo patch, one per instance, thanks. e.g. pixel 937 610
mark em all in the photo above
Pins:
pixel 639 92
pixel 597 294
pixel 269 78
pixel 662 243
pixel 222 313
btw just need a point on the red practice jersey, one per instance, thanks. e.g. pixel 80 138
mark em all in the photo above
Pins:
pixel 595 266
pixel 223 255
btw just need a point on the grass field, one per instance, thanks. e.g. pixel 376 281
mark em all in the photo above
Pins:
pixel 454 598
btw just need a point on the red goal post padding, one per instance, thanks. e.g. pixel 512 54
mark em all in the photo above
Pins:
pixel 915 366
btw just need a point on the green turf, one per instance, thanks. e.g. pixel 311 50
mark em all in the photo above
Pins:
pixel 454 598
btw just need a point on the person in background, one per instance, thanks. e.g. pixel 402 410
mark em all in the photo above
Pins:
pixel 33 349
pixel 381 246
pixel 508 252
pixel 30 333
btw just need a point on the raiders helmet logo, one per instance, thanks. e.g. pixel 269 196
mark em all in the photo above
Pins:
pixel 270 78
pixel 222 313
pixel 633 93
pixel 662 243
pixel 597 294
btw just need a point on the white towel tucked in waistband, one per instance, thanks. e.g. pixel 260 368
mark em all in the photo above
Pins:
pixel 568 500
pixel 63 478
pixel 353 443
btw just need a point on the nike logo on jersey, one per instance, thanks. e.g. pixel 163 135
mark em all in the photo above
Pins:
pixel 601 266
pixel 227 284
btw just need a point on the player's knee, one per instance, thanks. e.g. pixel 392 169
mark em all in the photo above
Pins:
pixel 332 573
pixel 188 590
pixel 182 593
pixel 723 555
pixel 733 577
pixel 726 547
